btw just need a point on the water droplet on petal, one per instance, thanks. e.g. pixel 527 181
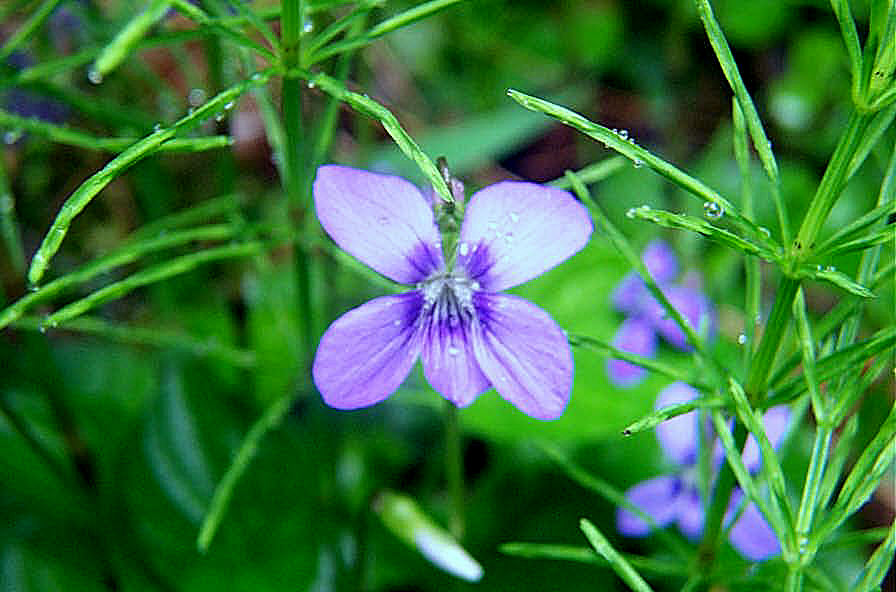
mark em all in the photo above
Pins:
pixel 712 210
pixel 383 220
pixel 514 217
pixel 453 351
pixel 397 322
pixel 475 285
pixel 464 249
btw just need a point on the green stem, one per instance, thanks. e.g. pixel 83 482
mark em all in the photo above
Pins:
pixel 291 19
pixel 771 340
pixel 715 514
pixel 809 501
pixel 454 468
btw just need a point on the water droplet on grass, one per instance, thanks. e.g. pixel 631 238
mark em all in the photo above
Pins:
pixel 196 97
pixel 742 339
pixel 712 210
pixel 94 76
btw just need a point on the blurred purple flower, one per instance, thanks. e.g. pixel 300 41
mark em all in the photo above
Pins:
pixel 27 103
pixel 470 335
pixel 632 298
pixel 675 499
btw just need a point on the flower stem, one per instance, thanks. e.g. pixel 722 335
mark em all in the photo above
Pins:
pixel 771 340
pixel 454 468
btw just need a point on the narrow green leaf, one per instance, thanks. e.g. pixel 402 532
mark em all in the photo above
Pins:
pixel 654 418
pixel 873 465
pixel 639 156
pixel 337 27
pixel 148 276
pixel 771 512
pixel 398 21
pixel 126 254
pixel 270 419
pixel 628 252
pixel 141 336
pixel 24 32
pixel 623 568
pixel 702 227
pixel 148 145
pixel 857 227
pixel 831 366
pixel 123 44
pixel 832 276
pixel 754 124
pixel 878 564
pixel 657 567
pixel 9 225
pixel 851 39
pixel 64 135
pixel 593 173
pixel 226 27
pixel 808 348
pixel 771 466
pixel 876 130
pixel 371 108
pixel 205 211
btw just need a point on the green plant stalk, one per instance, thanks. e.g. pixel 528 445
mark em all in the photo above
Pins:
pixel 830 187
pixel 454 470
pixel 623 568
pixel 778 321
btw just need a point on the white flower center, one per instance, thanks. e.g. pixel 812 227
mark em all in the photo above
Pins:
pixel 448 297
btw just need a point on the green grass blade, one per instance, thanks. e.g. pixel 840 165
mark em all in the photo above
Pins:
pixel 9 225
pixel 26 30
pixel 128 253
pixel 878 564
pixel 703 228
pixel 623 568
pixel 84 194
pixel 873 465
pixel 270 419
pixel 850 38
pixel 394 23
pixel 771 466
pixel 123 44
pixel 771 512
pixel 152 275
pixel 225 27
pixel 831 366
pixel 69 137
pixel 140 336
pixel 754 124
pixel 628 252
pixel 836 278
pixel 639 156
pixel 205 211
pixel 371 108
pixel 593 173
pixel 657 567
pixel 654 418
pixel 650 364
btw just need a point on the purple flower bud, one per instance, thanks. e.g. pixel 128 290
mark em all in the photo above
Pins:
pixel 661 262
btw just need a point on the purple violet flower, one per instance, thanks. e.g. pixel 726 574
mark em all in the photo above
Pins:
pixel 644 313
pixel 676 499
pixel 470 335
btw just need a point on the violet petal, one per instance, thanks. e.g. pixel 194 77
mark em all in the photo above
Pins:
pixel 753 537
pixel 678 436
pixel 382 220
pixel 514 231
pixel 367 353
pixel 693 306
pixel 631 295
pixel 449 363
pixel 775 423
pixel 661 262
pixel 657 497
pixel 523 353
pixel 690 513
pixel 635 336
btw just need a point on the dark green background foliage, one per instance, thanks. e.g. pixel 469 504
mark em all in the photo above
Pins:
pixel 115 434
